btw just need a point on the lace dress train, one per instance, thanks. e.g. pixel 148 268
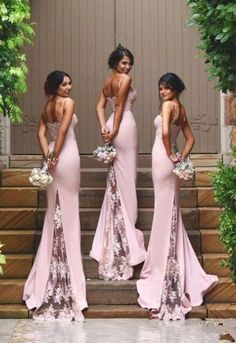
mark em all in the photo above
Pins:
pixel 56 284
pixel 117 244
pixel 171 280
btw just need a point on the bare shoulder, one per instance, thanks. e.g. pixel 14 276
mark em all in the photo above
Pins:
pixel 69 102
pixel 168 105
pixel 126 78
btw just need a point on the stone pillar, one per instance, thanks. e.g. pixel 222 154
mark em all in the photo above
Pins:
pixel 228 124
pixel 5 141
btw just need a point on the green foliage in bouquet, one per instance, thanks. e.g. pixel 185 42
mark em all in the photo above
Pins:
pixel 224 185
pixel 2 259
pixel 15 32
pixel 216 21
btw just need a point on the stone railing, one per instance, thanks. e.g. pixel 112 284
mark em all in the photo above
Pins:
pixel 5 141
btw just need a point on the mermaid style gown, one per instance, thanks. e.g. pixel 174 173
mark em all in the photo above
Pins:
pixel 56 283
pixel 117 244
pixel 171 280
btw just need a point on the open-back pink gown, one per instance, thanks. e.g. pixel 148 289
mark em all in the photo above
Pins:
pixel 117 244
pixel 56 284
pixel 171 280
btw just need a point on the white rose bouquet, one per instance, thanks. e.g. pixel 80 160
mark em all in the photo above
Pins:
pixel 105 153
pixel 40 177
pixel 184 169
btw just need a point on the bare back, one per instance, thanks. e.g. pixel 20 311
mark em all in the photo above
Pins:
pixel 112 85
pixel 53 111
pixel 178 116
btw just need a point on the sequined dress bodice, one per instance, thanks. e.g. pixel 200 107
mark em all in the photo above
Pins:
pixel 132 96
pixel 174 129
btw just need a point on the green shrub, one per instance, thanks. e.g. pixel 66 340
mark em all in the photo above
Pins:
pixel 15 32
pixel 216 22
pixel 224 185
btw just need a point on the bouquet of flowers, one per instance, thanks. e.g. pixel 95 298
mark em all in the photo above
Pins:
pixel 40 177
pixel 184 169
pixel 105 153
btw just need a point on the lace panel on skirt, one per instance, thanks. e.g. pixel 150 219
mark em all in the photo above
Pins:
pixel 58 301
pixel 115 261
pixel 171 300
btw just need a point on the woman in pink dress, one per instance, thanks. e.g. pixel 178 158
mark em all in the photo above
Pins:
pixel 56 284
pixel 172 280
pixel 118 245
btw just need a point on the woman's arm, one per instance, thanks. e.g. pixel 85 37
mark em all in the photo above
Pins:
pixel 119 105
pixel 189 140
pixel 100 110
pixel 43 142
pixel 69 108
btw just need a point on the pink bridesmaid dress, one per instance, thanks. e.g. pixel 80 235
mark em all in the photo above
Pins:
pixel 117 244
pixel 56 284
pixel 171 280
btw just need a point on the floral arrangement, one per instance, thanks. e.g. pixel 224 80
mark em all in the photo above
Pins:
pixel 184 169
pixel 2 259
pixel 40 177
pixel 105 153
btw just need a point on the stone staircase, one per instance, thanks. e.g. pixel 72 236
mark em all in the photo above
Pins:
pixel 22 211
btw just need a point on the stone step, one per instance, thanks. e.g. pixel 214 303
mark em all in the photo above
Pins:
pixel 26 218
pixel 87 161
pixel 100 292
pixel 91 268
pixel 29 218
pixel 89 197
pixel 132 311
pixel 210 242
pixel 212 264
pixel 87 239
pixel 18 242
pixel 205 197
pixel 18 218
pixel 209 217
pixel 225 291
pixel 93 197
pixel 10 311
pixel 223 310
pixel 13 311
pixel 91 177
pixel 17 266
pixel 218 310
pixel 203 177
pixel 18 197
pixel 193 218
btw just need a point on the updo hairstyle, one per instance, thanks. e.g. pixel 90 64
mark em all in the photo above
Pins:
pixel 117 55
pixel 53 81
pixel 173 81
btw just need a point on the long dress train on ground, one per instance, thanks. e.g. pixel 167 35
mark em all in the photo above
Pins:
pixel 117 244
pixel 172 280
pixel 56 284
